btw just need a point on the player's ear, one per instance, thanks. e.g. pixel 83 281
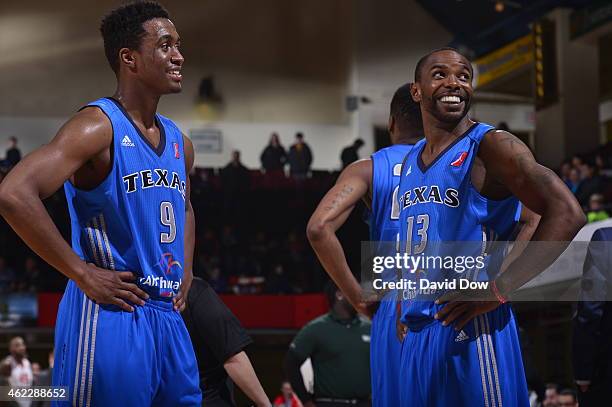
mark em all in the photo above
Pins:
pixel 391 125
pixel 126 57
pixel 415 92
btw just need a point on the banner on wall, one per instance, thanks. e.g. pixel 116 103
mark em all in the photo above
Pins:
pixel 508 59
pixel 206 141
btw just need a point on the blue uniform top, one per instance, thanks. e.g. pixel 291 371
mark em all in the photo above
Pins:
pixel 134 220
pixel 439 205
pixel 383 219
pixel 386 171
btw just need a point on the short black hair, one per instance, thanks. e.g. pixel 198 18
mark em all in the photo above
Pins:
pixel 299 135
pixel 424 58
pixel 122 27
pixel 359 142
pixel 405 111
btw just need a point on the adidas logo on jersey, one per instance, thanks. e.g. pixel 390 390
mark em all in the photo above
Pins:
pixel 409 170
pixel 462 336
pixel 126 142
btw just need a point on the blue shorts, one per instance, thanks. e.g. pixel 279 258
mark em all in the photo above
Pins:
pixel 109 357
pixel 385 350
pixel 478 366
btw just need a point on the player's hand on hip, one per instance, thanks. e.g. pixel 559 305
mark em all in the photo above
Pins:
pixel 463 306
pixel 112 287
pixel 180 298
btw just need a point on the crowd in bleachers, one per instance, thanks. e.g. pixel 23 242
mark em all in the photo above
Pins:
pixel 589 177
pixel 250 229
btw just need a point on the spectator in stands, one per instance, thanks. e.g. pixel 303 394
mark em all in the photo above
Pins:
pixel 551 395
pixel 13 154
pixel 591 356
pixel 338 345
pixel 601 162
pixel 567 398
pixel 216 280
pixel 277 281
pixel 577 161
pixel 287 398
pixel 16 367
pixel 219 340
pixel 43 379
pixel 7 277
pixel 590 184
pixel 596 210
pixel 350 154
pixel 564 173
pixel 300 158
pixel 236 181
pixel 274 156
pixel 574 181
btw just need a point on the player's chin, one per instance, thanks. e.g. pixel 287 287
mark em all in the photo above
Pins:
pixel 451 116
pixel 175 87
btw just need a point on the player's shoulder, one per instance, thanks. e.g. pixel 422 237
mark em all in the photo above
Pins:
pixel 318 322
pixel 90 126
pixel 500 143
pixel 360 168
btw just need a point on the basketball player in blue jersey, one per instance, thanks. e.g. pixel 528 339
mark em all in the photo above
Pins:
pixel 464 177
pixel 119 338
pixel 375 181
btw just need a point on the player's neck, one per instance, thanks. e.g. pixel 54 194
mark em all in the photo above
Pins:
pixel 140 103
pixel 440 134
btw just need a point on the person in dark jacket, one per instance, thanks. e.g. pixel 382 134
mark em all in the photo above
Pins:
pixel 300 158
pixel 235 180
pixel 592 344
pixel 274 156
pixel 350 154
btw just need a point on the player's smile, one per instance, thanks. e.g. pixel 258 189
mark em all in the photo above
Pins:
pixel 453 102
pixel 175 74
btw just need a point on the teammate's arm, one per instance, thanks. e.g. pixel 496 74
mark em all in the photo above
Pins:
pixel 240 370
pixel 39 175
pixel 330 215
pixel 179 299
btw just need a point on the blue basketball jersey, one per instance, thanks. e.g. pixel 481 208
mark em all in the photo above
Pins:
pixel 138 211
pixel 385 347
pixel 438 203
pixel 386 171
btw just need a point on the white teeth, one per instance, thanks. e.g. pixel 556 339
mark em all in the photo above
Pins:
pixel 450 99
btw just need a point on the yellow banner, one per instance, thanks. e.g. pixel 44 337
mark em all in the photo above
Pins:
pixel 505 60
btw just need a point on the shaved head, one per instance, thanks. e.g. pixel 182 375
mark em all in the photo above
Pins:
pixel 423 61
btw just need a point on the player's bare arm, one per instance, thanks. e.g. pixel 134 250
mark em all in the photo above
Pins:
pixel 510 163
pixel 180 299
pixel 79 146
pixel 240 370
pixel 333 210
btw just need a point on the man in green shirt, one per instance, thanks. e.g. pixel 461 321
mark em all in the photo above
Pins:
pixel 338 345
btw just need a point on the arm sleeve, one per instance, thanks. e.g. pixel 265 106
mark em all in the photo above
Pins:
pixel 217 326
pixel 587 322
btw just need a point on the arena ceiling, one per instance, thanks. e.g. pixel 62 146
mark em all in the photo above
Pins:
pixel 479 28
